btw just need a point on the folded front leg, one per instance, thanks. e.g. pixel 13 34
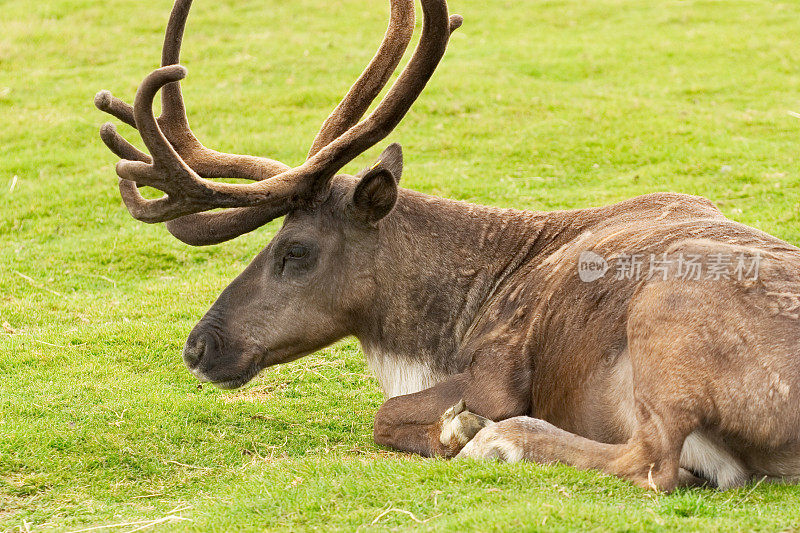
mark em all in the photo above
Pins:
pixel 439 421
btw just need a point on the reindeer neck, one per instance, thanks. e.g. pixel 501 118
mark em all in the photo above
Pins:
pixel 438 262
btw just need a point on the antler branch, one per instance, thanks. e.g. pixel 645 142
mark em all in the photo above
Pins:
pixel 180 165
pixel 372 80
pixel 173 121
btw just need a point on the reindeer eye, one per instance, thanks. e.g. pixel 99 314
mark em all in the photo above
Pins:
pixel 296 252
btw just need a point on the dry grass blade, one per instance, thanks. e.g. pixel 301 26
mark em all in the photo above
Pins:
pixel 142 524
pixel 193 467
pixel 751 491
pixel 58 345
pixel 38 286
pixel 395 510
pixel 165 520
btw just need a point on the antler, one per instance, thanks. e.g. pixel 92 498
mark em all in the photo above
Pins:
pixel 213 228
pixel 180 163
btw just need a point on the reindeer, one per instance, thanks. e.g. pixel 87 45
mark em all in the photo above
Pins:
pixel 494 333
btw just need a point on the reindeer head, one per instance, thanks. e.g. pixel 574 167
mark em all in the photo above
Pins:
pixel 306 289
pixel 303 291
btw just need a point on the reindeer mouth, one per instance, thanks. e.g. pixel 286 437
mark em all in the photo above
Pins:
pixel 251 372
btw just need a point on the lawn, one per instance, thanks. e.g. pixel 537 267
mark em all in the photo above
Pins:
pixel 538 105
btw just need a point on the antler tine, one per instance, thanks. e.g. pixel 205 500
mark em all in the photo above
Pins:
pixel 173 115
pixel 107 102
pixel 373 79
pixel 170 55
pixel 122 148
pixel 139 207
pixel 437 28
pixel 165 157
pixel 205 229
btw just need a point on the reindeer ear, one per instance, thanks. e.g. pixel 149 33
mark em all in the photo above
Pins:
pixel 391 159
pixel 375 195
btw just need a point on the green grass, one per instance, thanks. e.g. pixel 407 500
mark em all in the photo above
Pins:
pixel 540 105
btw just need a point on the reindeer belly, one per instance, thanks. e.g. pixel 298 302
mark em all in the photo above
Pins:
pixel 604 410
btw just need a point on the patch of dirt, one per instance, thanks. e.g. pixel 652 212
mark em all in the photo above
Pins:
pixel 258 394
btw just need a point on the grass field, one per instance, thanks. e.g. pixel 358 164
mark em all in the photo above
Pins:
pixel 538 104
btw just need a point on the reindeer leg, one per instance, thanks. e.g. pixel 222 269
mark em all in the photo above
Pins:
pixel 646 460
pixel 416 422
pixel 437 422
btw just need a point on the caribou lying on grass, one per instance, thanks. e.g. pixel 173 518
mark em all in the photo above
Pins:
pixel 653 339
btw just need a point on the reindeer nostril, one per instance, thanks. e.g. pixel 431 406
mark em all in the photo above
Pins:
pixel 196 347
pixel 192 353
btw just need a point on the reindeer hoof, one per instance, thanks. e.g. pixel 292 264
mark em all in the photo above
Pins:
pixel 459 426
pixel 492 443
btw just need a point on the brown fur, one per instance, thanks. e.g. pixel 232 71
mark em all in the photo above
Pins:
pixel 484 336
